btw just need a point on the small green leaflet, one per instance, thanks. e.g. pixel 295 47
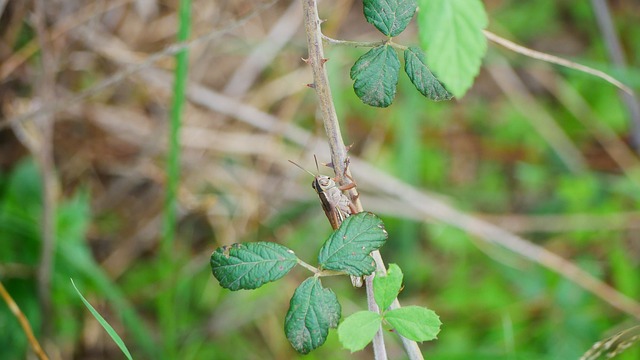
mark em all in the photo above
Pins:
pixel 391 17
pixel 375 76
pixel 112 333
pixel 451 34
pixel 356 331
pixel 414 322
pixel 312 311
pixel 386 288
pixel 251 265
pixel 416 67
pixel 348 248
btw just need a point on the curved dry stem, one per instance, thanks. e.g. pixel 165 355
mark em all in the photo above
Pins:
pixel 556 60
pixel 24 323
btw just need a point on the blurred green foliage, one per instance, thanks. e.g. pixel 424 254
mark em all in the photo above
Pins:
pixel 492 304
pixel 20 211
pixel 498 306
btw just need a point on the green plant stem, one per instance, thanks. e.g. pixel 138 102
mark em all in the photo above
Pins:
pixel 325 273
pixel 308 267
pixel 318 272
pixel 167 311
pixel 370 44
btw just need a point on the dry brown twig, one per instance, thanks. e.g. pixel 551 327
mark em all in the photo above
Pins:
pixel 83 15
pixel 44 155
pixel 59 105
pixel 245 75
pixel 24 323
pixel 555 60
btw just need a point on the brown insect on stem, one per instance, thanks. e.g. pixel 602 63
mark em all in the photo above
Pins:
pixel 336 205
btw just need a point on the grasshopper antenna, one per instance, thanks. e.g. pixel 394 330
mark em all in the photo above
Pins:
pixel 303 169
pixel 316 160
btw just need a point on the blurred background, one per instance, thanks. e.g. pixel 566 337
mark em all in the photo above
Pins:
pixel 543 152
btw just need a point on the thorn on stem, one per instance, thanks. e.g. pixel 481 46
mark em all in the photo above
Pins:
pixel 312 85
pixel 306 61
pixel 324 60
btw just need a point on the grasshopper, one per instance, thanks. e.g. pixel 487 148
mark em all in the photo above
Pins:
pixel 336 205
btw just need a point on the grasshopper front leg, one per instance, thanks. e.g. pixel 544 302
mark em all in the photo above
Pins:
pixel 336 205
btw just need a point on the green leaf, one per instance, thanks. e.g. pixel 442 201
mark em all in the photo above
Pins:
pixel 312 311
pixel 386 288
pixel 451 34
pixel 414 322
pixel 391 17
pixel 348 248
pixel 112 333
pixel 375 76
pixel 420 75
pixel 251 265
pixel 356 331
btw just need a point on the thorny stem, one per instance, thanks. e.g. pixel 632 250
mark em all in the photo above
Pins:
pixel 339 154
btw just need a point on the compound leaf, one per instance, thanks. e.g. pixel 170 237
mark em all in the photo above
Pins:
pixel 312 311
pixel 391 17
pixel 427 84
pixel 251 265
pixel 451 34
pixel 375 76
pixel 386 288
pixel 414 322
pixel 356 331
pixel 348 248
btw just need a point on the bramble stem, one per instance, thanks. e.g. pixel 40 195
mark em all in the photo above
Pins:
pixel 339 154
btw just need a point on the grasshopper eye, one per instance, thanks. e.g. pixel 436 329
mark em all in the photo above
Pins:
pixel 324 182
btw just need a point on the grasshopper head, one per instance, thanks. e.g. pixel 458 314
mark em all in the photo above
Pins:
pixel 322 183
